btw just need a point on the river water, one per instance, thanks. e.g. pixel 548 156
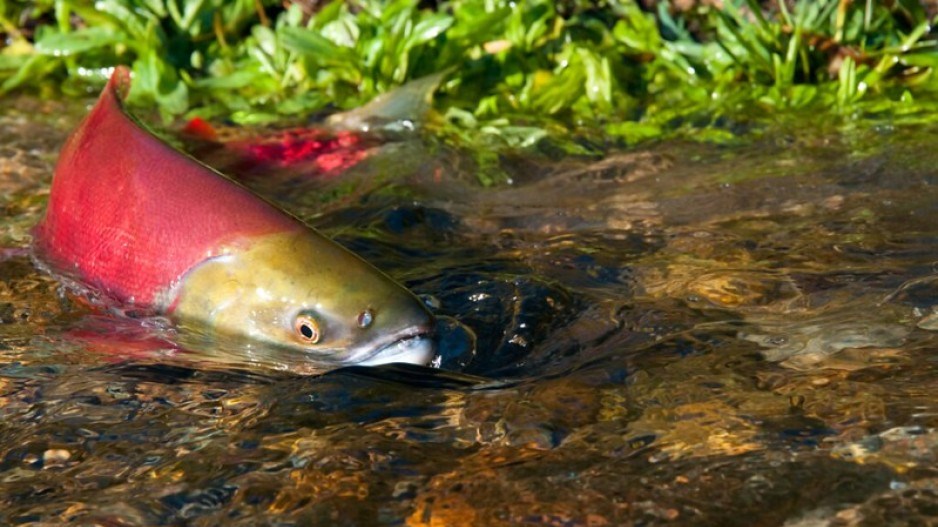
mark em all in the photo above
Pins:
pixel 677 334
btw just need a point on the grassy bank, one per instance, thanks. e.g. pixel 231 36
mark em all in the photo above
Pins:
pixel 516 72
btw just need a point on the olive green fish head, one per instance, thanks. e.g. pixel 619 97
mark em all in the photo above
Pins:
pixel 307 297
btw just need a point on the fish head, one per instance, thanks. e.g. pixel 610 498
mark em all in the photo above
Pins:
pixel 308 297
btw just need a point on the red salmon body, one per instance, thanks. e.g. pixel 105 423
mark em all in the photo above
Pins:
pixel 129 215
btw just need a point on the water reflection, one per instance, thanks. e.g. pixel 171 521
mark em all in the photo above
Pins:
pixel 686 334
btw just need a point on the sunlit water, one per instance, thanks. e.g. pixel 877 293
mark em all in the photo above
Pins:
pixel 682 334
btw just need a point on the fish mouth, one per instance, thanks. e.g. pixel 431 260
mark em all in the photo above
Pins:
pixel 413 345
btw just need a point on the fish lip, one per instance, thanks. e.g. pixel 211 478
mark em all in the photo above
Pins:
pixel 420 331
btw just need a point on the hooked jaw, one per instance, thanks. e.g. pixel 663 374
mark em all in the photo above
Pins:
pixel 398 330
pixel 413 346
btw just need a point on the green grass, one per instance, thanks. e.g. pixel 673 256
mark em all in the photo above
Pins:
pixel 574 75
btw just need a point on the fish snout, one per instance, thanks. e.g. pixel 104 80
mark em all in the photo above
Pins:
pixel 405 335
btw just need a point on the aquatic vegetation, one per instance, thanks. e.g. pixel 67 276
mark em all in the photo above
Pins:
pixel 572 76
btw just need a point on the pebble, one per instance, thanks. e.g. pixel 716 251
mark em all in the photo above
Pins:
pixel 55 457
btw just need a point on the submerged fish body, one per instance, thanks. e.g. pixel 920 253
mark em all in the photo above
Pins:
pixel 324 150
pixel 302 153
pixel 134 219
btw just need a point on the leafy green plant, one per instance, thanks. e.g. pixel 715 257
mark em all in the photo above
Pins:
pixel 518 73
pixel 76 42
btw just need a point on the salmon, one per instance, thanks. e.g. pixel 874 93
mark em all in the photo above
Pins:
pixel 150 228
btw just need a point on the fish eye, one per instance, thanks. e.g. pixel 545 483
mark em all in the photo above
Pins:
pixel 307 329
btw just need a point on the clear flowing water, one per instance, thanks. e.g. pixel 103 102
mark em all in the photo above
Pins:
pixel 681 334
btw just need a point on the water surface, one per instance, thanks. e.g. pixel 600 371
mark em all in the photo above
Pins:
pixel 686 334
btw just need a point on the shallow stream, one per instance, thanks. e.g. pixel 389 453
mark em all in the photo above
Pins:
pixel 683 333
